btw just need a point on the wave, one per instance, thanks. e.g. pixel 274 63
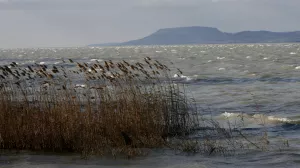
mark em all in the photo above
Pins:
pixel 228 80
pixel 254 121
pixel 183 77
pixel 261 117
pixel 289 126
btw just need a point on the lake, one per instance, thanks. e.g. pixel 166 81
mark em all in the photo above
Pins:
pixel 258 81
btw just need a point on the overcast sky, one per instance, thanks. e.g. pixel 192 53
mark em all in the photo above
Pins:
pixel 53 23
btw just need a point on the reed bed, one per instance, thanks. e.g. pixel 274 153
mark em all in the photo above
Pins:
pixel 92 108
pixel 102 108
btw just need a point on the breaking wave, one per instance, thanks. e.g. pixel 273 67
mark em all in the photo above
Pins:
pixel 259 120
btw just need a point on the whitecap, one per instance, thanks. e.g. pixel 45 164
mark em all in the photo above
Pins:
pixel 228 115
pixel 248 57
pixel 221 69
pixel 80 85
pixel 298 67
pixel 95 60
pixel 293 53
pixel 256 119
pixel 176 76
pixel 42 63
pixel 272 118
pixel 187 78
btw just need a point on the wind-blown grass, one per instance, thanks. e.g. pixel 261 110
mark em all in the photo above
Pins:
pixel 97 108
pixel 116 105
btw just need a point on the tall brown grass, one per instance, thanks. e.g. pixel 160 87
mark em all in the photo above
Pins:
pixel 108 107
pixel 92 108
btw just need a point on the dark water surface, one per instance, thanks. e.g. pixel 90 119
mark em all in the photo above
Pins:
pixel 259 80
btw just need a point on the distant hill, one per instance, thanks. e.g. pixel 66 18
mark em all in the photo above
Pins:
pixel 104 44
pixel 209 35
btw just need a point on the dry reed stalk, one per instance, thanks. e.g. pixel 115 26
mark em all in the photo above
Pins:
pixel 113 107
pixel 43 109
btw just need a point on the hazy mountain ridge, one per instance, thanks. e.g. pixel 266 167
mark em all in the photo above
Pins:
pixel 210 35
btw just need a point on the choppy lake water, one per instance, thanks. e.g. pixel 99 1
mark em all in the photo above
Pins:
pixel 261 81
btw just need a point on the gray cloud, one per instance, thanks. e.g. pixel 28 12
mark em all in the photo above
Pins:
pixel 37 23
